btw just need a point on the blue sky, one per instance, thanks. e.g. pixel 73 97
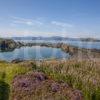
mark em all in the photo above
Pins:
pixel 70 18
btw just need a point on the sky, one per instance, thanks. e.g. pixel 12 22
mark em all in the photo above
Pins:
pixel 67 18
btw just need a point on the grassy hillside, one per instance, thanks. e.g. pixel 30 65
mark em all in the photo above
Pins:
pixel 79 75
pixel 82 75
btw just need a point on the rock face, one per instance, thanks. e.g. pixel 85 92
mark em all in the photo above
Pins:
pixel 7 45
pixel 37 86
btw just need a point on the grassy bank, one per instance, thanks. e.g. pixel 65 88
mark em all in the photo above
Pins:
pixel 7 72
pixel 81 75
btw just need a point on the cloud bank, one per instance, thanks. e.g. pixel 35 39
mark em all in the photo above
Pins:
pixel 37 27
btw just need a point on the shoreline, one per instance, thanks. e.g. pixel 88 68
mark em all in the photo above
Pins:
pixel 79 74
pixel 74 51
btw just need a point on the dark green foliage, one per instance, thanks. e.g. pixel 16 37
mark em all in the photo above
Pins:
pixel 4 88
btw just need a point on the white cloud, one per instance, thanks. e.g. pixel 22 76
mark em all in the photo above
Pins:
pixel 40 27
pixel 29 22
pixel 23 22
pixel 37 22
pixel 15 33
pixel 17 26
pixel 62 24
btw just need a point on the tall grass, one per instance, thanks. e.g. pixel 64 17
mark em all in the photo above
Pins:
pixel 11 70
pixel 7 72
pixel 82 75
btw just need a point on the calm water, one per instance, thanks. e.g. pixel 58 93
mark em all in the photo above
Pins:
pixel 35 52
pixel 89 45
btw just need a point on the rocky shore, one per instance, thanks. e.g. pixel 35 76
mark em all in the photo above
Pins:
pixel 10 45
pixel 72 50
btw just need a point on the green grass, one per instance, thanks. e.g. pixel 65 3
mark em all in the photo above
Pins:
pixel 7 72
pixel 11 70
pixel 83 75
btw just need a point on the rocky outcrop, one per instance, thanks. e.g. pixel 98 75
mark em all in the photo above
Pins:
pixel 7 45
pixel 17 61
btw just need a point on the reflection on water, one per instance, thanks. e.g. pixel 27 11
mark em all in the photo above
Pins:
pixel 35 52
pixel 91 45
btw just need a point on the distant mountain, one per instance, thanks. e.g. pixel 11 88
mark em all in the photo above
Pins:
pixel 57 38
pixel 42 38
pixel 90 39
pixel 22 38
pixel 38 38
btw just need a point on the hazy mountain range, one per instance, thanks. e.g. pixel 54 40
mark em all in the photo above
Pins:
pixel 56 38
